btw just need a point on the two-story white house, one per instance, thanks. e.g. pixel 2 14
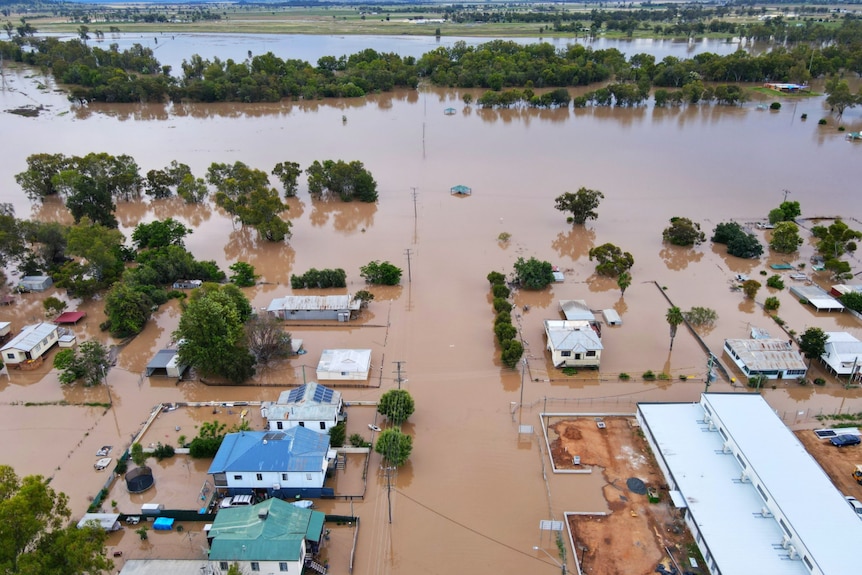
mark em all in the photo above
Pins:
pixel 270 537
pixel 310 405
pixel 30 345
pixel 273 463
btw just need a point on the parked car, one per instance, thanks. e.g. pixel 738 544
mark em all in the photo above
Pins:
pixel 845 440
pixel 236 501
pixel 855 504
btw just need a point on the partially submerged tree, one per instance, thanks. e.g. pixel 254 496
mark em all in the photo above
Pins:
pixel 288 173
pixel 674 317
pixel 533 274
pixel 812 343
pixel 785 212
pixel 243 274
pixel 739 243
pixel 785 238
pixel 701 316
pixel 394 446
pixel 397 405
pixel 581 204
pixel 159 234
pixel 349 181
pixel 266 338
pixel 612 261
pixel 836 239
pixel 382 273
pixel 750 288
pixel 88 363
pixel 624 280
pixel 683 232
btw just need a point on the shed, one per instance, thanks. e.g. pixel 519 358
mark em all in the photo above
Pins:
pixel 72 317
pixel 107 521
pixel 314 307
pixel 187 284
pixel 817 297
pixel 577 310
pixel 344 364
pixel 35 283
pixel 460 190
pixel 163 524
pixel 5 328
pixel 166 363
pixel 612 317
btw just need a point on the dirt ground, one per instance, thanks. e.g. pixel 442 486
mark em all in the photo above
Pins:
pixel 838 463
pixel 632 538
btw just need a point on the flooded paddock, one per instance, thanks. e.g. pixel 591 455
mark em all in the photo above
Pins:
pixel 472 495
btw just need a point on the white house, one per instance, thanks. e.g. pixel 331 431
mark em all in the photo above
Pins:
pixel 843 355
pixel 768 357
pixel 344 364
pixel 270 537
pixel 314 307
pixel 573 343
pixel 35 283
pixel 30 345
pixel 274 463
pixel 754 499
pixel 310 405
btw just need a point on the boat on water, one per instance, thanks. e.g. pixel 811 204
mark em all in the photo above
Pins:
pixel 102 463
pixel 105 450
pixel 373 427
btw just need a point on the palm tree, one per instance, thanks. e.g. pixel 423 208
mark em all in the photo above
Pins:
pixel 674 318
pixel 624 280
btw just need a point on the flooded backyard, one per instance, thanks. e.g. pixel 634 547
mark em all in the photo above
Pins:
pixel 474 491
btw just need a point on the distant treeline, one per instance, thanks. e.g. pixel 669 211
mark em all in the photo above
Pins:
pixel 135 75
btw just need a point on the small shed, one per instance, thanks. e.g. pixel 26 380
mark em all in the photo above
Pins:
pixel 187 284
pixel 460 190
pixel 577 310
pixel 5 328
pixel 612 317
pixel 163 524
pixel 344 364
pixel 72 317
pixel 817 297
pixel 449 111
pixel 166 363
pixel 107 521
pixel 35 283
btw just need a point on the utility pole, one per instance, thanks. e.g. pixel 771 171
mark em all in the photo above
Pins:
pixel 398 377
pixel 785 194
pixel 415 193
pixel 408 251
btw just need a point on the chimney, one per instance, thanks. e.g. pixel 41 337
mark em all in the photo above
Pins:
pixel 262 514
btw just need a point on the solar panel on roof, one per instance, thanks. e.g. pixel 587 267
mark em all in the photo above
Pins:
pixel 296 394
pixel 322 394
pixel 275 436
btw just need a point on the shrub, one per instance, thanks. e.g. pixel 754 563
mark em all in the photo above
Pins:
pixel 337 434
pixel 570 371
pixel 771 304
pixel 357 440
pixel 663 376
pixel 819 381
pixel 822 121
pixel 496 278
pixel 777 320
pixel 503 317
pixel 648 375
pixel 750 288
pixel 505 331
pixel 512 352
pixel 775 106
pixel 501 304
pixel 163 451
pixel 775 281
pixel 500 290
pixel 683 377
pixel 624 376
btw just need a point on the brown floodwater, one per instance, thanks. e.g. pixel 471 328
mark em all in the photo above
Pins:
pixel 472 495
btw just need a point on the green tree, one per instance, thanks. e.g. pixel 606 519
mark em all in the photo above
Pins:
pixel 701 316
pixel 37 537
pixel 87 198
pixel 46 243
pixel 581 205
pixel 38 181
pixel 137 455
pixel 839 95
pixel 127 309
pixel 211 330
pixel 192 190
pixel 496 278
pixel 624 280
pixel 674 317
pixel 382 273
pixel 265 338
pixel 786 212
pixel 53 306
pixel 245 193
pixel 243 274
pixel 785 238
pixel 349 181
pixel 836 239
pixel 533 274
pixel 208 440
pixel 612 261
pixel 397 405
pixel 750 288
pixel 337 434
pixel 160 233
pixel 683 232
pixel 394 446
pixel 852 300
pixel 99 247
pixel 364 296
pixel 812 343
pixel 88 363
pixel 775 281
pixel 511 353
pixel 288 173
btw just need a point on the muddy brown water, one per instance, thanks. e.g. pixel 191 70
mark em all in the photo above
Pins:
pixel 474 491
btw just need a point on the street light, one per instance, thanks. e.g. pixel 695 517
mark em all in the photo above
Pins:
pixel 562 566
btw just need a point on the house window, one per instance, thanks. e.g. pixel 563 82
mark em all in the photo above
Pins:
pixel 577 356
pixel 260 476
pixel 223 566
pixel 282 566
pixel 566 354
pixel 591 354
pixel 762 493
pixel 343 374
pixel 284 476
pixel 255 566
pixel 322 425
pixel 741 461
pixel 279 425
pixel 10 355
pixel 302 424
pixel 308 476
pixel 808 563
pixel 237 477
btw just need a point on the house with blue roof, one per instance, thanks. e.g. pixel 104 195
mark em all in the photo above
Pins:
pixel 273 463
pixel 270 537
pixel 310 405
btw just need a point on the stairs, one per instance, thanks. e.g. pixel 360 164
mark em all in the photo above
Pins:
pixel 315 566
pixel 341 461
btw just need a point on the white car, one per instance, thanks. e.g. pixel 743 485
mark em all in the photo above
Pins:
pixel 855 504
pixel 236 501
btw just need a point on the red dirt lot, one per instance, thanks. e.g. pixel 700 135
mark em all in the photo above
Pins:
pixel 632 538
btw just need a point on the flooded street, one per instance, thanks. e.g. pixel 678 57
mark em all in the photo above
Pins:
pixel 471 497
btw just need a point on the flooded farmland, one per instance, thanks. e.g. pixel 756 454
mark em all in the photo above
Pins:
pixel 471 497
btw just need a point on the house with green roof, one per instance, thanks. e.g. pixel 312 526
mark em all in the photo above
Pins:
pixel 270 537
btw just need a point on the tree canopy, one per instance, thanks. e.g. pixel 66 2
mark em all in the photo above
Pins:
pixel 394 446
pixel 674 317
pixel 581 204
pixel 37 537
pixel 87 363
pixel 533 274
pixel 786 212
pixel 683 232
pixel 812 343
pixel 349 181
pixel 159 234
pixel 785 238
pixel 382 273
pixel 397 405
pixel 245 193
pixel 739 243
pixel 612 261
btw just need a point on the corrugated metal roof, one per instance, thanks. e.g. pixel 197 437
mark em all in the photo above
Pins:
pixel 314 302
pixel 30 336
pixel 240 533
pixel 345 360
pixel 577 309
pixel 728 512
pixel 572 335
pixel 308 402
pixel 766 354
pixel 817 297
pixel 294 449
pixel 164 567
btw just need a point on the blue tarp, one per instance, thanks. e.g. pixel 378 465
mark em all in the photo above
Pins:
pixel 163 524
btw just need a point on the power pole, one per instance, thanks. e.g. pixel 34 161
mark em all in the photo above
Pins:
pixel 408 251
pixel 398 377
pixel 785 194
pixel 415 193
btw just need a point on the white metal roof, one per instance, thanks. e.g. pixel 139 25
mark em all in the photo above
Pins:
pixel 817 297
pixel 727 511
pixel 314 302
pixel 345 360
pixel 30 336
pixel 766 354
pixel 572 335
pixel 577 309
